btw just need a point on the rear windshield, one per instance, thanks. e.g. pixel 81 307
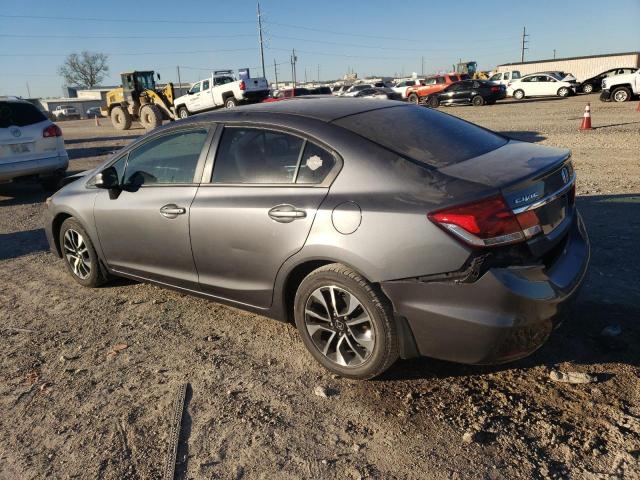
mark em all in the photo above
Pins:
pixel 19 114
pixel 423 134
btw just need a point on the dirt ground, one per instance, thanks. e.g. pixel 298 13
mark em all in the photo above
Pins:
pixel 71 409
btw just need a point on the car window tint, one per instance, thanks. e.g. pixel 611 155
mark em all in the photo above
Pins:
pixel 515 75
pixel 205 85
pixel 119 167
pixel 423 134
pixel 19 114
pixel 440 80
pixel 496 77
pixel 195 88
pixel 315 164
pixel 506 76
pixel 168 159
pixel 251 155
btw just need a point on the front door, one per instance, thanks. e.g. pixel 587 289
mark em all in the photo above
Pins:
pixel 257 210
pixel 144 230
pixel 194 100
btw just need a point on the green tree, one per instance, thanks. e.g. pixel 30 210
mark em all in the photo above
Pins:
pixel 85 69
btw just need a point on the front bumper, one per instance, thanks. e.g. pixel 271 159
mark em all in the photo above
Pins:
pixel 506 314
pixel 605 95
pixel 40 167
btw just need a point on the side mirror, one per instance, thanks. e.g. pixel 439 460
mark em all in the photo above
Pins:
pixel 158 76
pixel 107 179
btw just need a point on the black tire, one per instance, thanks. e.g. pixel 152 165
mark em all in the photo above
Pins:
pixel 621 94
pixel 95 276
pixel 518 94
pixel 373 305
pixel 477 101
pixel 564 92
pixel 433 102
pixel 183 112
pixel 120 118
pixel 587 88
pixel 413 98
pixel 150 117
pixel 230 102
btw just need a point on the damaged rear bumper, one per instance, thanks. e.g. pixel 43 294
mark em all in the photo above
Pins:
pixel 506 314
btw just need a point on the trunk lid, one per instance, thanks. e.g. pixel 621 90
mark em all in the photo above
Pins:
pixel 530 178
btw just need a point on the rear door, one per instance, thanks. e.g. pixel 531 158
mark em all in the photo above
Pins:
pixel 257 209
pixel 22 137
pixel 144 229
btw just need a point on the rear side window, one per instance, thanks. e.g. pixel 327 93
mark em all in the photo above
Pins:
pixel 250 155
pixel 315 164
pixel 168 159
pixel 19 114
pixel 423 134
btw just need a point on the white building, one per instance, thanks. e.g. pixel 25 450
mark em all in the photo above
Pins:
pixel 581 67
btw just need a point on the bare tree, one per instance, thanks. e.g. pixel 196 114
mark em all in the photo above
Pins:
pixel 85 69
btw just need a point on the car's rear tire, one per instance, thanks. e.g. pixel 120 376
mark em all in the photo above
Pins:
pixel 518 94
pixel 563 92
pixel 477 101
pixel 346 323
pixel 79 255
pixel 120 118
pixel 183 112
pixel 413 98
pixel 587 88
pixel 150 116
pixel 231 102
pixel 621 94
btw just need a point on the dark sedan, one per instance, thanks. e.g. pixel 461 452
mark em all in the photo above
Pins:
pixel 594 84
pixel 382 229
pixel 469 92
pixel 378 92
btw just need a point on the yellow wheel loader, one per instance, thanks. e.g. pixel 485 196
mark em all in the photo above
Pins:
pixel 471 69
pixel 138 99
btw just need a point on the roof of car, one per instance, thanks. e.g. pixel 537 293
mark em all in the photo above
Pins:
pixel 326 108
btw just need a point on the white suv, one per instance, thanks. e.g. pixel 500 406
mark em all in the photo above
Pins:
pixel 31 145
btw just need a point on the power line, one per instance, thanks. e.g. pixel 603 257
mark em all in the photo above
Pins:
pixel 190 52
pixel 135 37
pixel 125 20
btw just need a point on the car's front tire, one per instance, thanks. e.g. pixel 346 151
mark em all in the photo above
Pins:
pixel 621 94
pixel 79 255
pixel 413 98
pixel 518 94
pixel 477 101
pixel 587 88
pixel 346 323
pixel 563 92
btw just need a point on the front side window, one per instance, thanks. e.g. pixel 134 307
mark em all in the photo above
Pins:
pixel 251 155
pixel 195 88
pixel 496 77
pixel 168 159
pixel 440 80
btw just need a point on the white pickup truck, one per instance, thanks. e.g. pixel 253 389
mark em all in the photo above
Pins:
pixel 621 88
pixel 222 88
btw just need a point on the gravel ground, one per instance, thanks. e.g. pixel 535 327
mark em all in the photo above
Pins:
pixel 74 403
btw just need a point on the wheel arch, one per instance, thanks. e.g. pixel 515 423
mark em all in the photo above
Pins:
pixel 56 225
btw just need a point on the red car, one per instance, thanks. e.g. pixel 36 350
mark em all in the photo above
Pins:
pixel 287 93
pixel 431 85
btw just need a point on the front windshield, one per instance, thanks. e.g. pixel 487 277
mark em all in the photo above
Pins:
pixel 146 81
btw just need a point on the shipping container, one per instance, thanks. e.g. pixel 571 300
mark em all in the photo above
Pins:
pixel 581 67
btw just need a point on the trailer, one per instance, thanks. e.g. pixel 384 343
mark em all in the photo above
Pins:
pixel 581 67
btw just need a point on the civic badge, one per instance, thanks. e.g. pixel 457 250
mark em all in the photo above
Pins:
pixel 565 175
pixel 16 132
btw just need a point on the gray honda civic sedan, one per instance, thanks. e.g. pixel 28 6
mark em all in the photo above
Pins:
pixel 381 229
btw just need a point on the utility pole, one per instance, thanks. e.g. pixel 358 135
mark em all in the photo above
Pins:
pixel 294 59
pixel 554 53
pixel 524 42
pixel 318 73
pixel 28 91
pixel 179 81
pixel 305 74
pixel 261 45
pixel 275 70
pixel 422 67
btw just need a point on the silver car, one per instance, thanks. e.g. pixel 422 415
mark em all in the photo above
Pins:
pixel 31 145
pixel 382 229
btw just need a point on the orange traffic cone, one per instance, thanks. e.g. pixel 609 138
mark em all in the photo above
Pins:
pixel 586 119
pixel 97 121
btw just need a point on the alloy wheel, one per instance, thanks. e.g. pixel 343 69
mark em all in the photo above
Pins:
pixel 77 254
pixel 339 326
pixel 621 96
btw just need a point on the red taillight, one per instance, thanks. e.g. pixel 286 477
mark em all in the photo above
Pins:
pixel 52 131
pixel 495 89
pixel 243 86
pixel 487 223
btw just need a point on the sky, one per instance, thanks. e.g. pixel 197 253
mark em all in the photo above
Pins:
pixel 330 37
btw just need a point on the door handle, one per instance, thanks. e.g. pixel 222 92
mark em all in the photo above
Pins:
pixel 172 210
pixel 286 213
